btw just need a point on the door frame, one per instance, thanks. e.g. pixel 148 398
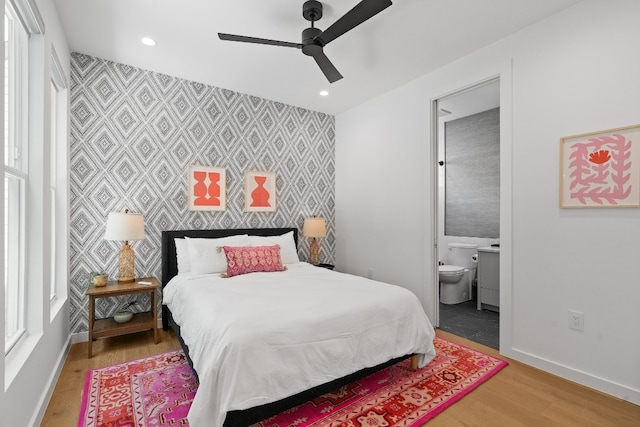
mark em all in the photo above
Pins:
pixel 506 200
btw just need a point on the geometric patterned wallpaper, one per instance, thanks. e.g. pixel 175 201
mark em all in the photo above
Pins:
pixel 134 133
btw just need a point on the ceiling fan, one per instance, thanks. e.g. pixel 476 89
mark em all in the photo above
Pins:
pixel 314 39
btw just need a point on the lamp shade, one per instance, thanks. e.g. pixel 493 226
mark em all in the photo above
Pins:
pixel 124 226
pixel 314 227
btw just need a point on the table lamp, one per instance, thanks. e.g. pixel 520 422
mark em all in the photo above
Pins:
pixel 125 226
pixel 314 227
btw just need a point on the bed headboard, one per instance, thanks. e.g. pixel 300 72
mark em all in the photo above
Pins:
pixel 169 261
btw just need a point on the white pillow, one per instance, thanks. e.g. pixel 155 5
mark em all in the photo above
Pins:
pixel 288 251
pixel 204 256
pixel 182 256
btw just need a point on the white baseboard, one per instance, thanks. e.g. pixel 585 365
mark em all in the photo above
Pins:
pixel 36 420
pixel 586 379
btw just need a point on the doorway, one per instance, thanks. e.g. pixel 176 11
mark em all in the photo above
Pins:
pixel 468 210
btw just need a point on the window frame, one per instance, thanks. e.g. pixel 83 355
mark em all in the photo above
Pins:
pixel 15 315
pixel 15 168
pixel 58 158
pixel 53 139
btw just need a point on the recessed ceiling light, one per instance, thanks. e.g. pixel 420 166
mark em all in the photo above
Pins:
pixel 324 93
pixel 148 41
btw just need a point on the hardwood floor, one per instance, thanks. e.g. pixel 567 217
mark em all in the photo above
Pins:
pixel 518 396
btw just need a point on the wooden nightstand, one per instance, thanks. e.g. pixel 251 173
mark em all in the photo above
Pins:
pixel 100 328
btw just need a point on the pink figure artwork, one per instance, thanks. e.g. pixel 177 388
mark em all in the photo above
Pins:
pixel 599 170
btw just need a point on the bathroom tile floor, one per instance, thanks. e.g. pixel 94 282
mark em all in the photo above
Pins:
pixel 466 321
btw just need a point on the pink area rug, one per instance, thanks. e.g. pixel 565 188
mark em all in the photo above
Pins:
pixel 154 391
pixel 157 391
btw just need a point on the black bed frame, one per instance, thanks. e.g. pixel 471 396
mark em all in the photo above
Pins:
pixel 252 415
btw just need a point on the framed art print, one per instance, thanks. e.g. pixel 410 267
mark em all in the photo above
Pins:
pixel 601 169
pixel 207 188
pixel 259 192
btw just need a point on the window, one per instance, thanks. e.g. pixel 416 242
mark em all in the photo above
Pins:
pixel 52 187
pixel 15 174
pixel 58 157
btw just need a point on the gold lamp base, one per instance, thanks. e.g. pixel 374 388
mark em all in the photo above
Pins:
pixel 126 259
pixel 314 251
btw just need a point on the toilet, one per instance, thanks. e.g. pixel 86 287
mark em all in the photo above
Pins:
pixel 456 278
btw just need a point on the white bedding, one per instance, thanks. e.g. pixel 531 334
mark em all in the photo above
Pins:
pixel 260 337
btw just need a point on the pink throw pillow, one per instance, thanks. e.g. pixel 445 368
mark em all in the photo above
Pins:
pixel 251 259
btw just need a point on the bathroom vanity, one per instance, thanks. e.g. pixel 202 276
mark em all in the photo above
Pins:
pixel 489 278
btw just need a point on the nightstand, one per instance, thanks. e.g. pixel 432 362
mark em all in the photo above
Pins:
pixel 327 266
pixel 101 328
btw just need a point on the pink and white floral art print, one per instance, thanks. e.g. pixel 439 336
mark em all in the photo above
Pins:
pixel 601 169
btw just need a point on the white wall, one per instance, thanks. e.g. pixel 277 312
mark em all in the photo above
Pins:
pixel 29 373
pixel 574 72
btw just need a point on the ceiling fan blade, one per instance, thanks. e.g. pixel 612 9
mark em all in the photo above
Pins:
pixel 329 70
pixel 361 12
pixel 246 39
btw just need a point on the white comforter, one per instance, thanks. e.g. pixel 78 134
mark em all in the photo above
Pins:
pixel 260 337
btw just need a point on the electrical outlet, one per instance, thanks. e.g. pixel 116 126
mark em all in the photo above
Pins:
pixel 576 320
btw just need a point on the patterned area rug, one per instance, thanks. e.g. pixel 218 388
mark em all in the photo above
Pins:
pixel 157 391
pixel 154 391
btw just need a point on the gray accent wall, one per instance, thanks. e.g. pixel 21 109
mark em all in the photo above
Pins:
pixel 472 175
pixel 134 134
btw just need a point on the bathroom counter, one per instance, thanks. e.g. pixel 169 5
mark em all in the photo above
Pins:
pixel 489 278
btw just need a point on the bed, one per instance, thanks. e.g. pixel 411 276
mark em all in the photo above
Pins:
pixel 263 342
